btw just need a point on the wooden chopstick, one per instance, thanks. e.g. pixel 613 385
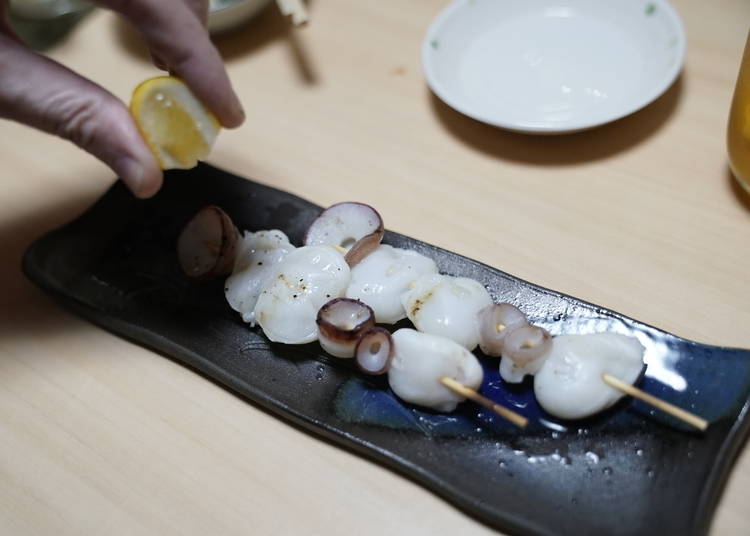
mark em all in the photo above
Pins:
pixel 295 8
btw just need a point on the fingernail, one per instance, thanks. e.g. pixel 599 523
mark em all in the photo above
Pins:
pixel 131 172
pixel 158 62
pixel 239 114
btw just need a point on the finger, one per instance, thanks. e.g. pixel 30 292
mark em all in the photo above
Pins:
pixel 176 36
pixel 158 62
pixel 200 9
pixel 44 94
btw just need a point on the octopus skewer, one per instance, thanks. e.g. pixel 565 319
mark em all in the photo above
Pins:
pixel 575 375
pixel 415 361
pixel 342 281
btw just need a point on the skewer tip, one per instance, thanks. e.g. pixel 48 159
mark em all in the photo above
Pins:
pixel 677 412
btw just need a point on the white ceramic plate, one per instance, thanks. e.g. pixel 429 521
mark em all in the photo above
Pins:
pixel 552 66
pixel 226 15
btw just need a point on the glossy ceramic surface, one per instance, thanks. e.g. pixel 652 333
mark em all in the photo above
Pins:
pixel 227 15
pixel 543 66
pixel 628 471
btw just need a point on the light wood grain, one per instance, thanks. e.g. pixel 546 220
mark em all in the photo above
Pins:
pixel 100 436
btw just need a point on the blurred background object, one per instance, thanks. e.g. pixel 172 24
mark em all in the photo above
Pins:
pixel 227 15
pixel 41 23
pixel 738 131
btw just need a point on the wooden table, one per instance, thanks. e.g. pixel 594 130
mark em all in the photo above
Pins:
pixel 100 436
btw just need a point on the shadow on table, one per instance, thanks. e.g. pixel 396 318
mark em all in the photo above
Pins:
pixel 564 149
pixel 26 312
pixel 742 196
pixel 262 30
pixel 16 235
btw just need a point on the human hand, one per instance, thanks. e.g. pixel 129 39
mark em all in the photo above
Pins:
pixel 39 92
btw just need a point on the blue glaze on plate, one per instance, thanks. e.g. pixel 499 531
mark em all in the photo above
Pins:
pixel 359 402
pixel 616 473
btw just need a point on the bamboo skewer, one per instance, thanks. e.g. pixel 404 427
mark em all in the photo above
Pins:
pixel 295 8
pixel 666 407
pixel 467 392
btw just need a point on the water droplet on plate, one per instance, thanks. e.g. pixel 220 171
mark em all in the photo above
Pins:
pixel 639 452
pixel 593 457
pixel 520 404
pixel 558 428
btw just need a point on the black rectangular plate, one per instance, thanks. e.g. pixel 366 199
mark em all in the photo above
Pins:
pixel 628 471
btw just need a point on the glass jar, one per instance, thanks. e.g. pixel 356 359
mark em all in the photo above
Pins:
pixel 738 131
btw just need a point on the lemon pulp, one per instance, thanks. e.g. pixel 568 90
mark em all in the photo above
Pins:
pixel 177 128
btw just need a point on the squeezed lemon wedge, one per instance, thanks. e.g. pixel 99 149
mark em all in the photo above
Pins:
pixel 177 128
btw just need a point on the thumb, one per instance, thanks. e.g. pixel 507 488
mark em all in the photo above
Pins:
pixel 42 93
